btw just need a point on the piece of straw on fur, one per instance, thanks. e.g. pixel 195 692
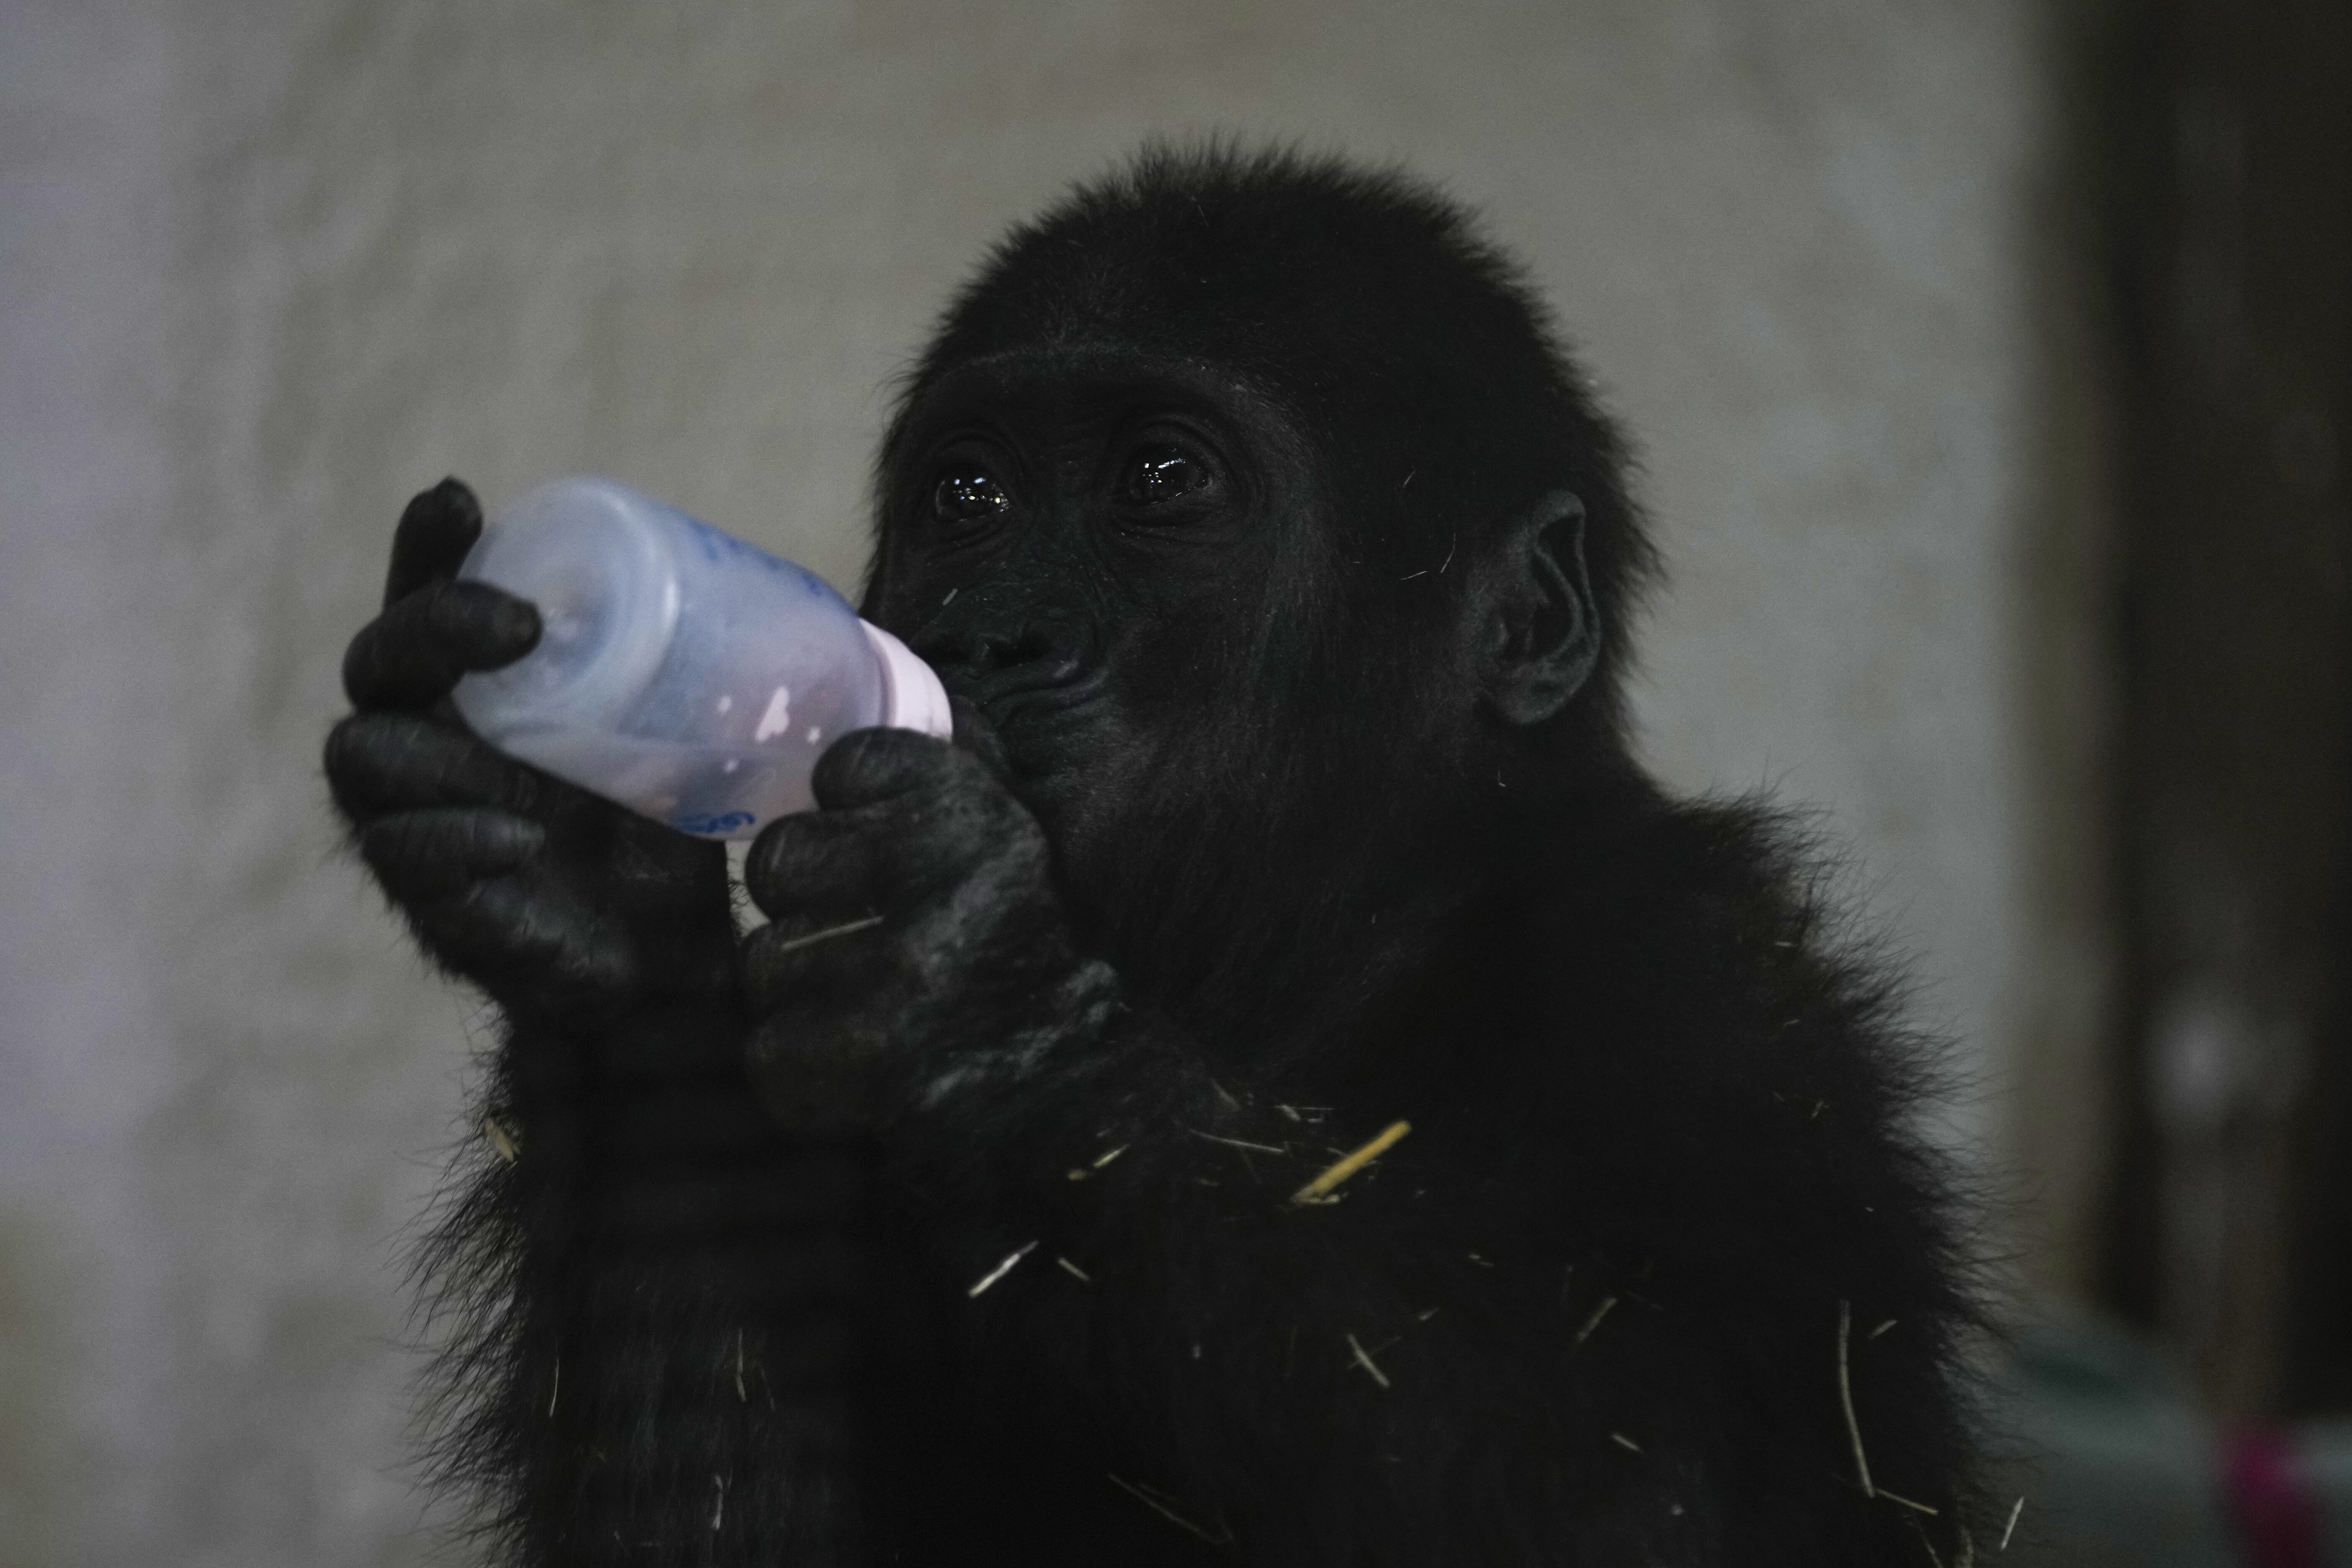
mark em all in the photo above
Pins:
pixel 1593 1321
pixel 501 1139
pixel 1845 1399
pixel 850 928
pixel 1240 1143
pixel 1001 1269
pixel 1075 1272
pixel 1625 1442
pixel 2010 1527
pixel 1348 1164
pixel 1140 1495
pixel 1363 1357
pixel 1898 1499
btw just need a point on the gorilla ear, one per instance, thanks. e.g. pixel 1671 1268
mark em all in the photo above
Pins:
pixel 1541 638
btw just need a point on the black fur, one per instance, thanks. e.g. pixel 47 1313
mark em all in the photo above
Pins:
pixel 1292 802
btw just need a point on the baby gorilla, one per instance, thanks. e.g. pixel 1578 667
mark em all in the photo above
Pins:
pixel 1005 1199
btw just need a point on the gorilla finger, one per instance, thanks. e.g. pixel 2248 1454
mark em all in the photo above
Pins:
pixel 378 762
pixel 865 767
pixel 410 656
pixel 436 528
pixel 820 863
pixel 437 853
pixel 512 935
pixel 783 965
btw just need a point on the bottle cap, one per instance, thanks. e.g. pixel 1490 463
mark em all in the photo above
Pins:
pixel 912 697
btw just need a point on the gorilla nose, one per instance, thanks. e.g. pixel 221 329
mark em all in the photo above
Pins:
pixel 986 647
pixel 985 659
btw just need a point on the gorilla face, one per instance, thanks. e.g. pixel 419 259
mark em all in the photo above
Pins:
pixel 1249 691
pixel 1250 535
pixel 1128 569
pixel 1093 551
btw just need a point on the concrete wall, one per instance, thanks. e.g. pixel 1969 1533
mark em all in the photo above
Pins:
pixel 267 267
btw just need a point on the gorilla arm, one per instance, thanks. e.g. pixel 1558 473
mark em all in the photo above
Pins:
pixel 650 1288
pixel 1152 1339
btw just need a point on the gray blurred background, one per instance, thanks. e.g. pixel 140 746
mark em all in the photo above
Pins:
pixel 1845 269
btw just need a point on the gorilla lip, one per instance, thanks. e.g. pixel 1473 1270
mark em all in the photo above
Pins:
pixel 1025 694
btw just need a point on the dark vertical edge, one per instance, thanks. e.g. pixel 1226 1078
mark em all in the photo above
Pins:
pixel 2135 244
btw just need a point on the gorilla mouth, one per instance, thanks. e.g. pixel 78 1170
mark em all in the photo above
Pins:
pixel 1031 695
pixel 1041 677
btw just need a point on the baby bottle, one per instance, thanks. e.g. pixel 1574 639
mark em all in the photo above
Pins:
pixel 685 674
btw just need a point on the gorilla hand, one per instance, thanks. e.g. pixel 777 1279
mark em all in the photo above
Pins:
pixel 917 945
pixel 549 897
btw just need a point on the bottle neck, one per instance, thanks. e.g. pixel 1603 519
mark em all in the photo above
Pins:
pixel 912 697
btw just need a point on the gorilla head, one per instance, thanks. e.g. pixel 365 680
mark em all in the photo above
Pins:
pixel 1254 505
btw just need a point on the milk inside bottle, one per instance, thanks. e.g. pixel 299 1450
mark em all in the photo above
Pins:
pixel 680 672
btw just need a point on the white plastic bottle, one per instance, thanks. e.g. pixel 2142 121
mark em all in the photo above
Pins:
pixel 683 673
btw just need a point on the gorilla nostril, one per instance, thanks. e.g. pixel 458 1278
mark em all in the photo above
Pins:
pixel 962 648
pixel 1040 644
pixel 1051 643
pixel 1003 649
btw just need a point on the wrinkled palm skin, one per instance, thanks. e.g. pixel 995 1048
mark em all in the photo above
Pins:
pixel 1279 570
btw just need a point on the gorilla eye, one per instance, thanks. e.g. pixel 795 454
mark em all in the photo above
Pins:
pixel 1158 475
pixel 969 497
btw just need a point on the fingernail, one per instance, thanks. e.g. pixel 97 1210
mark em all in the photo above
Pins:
pixel 519 839
pixel 517 621
pixel 457 494
pixel 494 843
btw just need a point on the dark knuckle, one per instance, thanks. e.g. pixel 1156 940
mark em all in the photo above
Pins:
pixel 456 496
pixel 1025 853
pixel 359 657
pixel 844 767
pixel 772 852
pixel 341 749
pixel 764 963
pixel 865 763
